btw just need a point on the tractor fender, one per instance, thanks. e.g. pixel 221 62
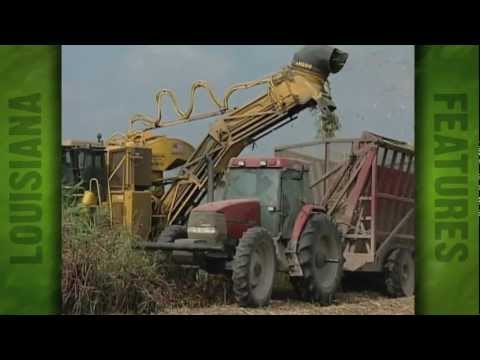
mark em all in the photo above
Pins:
pixel 291 252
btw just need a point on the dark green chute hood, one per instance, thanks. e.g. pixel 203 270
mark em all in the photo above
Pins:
pixel 323 59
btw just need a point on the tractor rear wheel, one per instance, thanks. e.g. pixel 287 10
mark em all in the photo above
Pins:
pixel 172 233
pixel 399 271
pixel 320 253
pixel 254 267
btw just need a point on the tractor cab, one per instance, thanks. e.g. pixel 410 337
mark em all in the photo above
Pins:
pixel 279 184
pixel 259 192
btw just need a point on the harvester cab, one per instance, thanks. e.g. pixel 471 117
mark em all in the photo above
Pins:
pixel 83 165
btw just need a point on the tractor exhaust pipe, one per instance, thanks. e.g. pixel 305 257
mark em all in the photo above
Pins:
pixel 210 189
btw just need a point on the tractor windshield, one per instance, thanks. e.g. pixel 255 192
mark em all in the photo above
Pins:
pixel 262 184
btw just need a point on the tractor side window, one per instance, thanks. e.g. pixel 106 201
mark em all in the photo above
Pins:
pixel 308 196
pixel 292 199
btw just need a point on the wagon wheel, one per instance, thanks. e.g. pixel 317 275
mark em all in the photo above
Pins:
pixel 254 267
pixel 399 271
pixel 320 253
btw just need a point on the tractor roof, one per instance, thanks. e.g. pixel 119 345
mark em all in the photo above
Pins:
pixel 268 162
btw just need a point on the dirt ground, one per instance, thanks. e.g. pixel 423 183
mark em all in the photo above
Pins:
pixel 349 303
pixel 361 294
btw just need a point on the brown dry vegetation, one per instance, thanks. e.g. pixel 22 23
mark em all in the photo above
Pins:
pixel 103 274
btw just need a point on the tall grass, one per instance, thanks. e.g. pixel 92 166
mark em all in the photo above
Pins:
pixel 103 273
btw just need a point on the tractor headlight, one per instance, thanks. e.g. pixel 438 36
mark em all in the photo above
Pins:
pixel 202 230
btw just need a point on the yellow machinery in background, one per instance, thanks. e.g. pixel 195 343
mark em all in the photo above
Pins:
pixel 136 164
pixel 143 200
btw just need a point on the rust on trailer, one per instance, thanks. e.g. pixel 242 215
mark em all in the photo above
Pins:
pixel 367 185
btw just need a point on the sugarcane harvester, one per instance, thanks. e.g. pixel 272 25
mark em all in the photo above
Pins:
pixel 141 198
pixel 247 238
pixel 302 85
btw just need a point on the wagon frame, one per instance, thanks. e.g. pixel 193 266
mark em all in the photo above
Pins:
pixel 370 194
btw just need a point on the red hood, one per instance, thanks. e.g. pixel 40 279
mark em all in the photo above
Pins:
pixel 240 214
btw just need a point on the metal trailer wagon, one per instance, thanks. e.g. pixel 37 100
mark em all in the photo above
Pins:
pixel 367 185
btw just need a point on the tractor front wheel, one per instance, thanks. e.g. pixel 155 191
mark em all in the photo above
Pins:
pixel 254 267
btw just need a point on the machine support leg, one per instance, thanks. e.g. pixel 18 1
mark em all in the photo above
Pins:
pixel 210 189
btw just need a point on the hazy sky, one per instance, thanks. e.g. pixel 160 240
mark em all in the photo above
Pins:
pixel 104 85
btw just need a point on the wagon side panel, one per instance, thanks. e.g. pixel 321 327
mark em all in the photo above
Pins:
pixel 395 202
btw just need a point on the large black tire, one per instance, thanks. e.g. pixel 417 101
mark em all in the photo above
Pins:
pixel 320 253
pixel 399 272
pixel 254 267
pixel 172 233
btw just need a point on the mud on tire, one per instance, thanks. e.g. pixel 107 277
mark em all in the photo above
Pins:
pixel 254 267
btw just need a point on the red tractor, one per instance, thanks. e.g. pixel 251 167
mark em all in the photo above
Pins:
pixel 264 224
pixel 313 211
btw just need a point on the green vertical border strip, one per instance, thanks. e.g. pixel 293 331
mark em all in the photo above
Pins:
pixel 446 128
pixel 30 215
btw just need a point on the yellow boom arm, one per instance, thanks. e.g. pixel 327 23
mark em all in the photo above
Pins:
pixel 289 91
